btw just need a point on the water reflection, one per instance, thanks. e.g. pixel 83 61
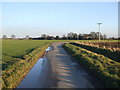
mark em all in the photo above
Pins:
pixel 32 79
pixel 48 49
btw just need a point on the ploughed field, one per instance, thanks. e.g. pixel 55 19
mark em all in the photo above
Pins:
pixel 100 58
pixel 106 48
pixel 104 63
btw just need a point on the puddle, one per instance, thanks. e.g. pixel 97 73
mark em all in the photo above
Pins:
pixel 35 75
pixel 73 64
pixel 32 78
pixel 49 48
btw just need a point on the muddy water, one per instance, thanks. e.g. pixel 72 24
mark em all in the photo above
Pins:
pixel 34 78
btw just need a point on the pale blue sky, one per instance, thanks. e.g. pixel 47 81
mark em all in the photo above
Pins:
pixel 58 18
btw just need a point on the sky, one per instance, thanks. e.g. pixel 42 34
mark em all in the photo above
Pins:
pixel 58 18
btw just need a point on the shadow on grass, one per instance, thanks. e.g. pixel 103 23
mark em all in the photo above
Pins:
pixel 21 56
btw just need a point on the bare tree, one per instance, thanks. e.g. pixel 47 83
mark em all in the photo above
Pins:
pixel 4 37
pixel 72 35
pixel 13 36
pixel 57 37
pixel 93 35
pixel 104 36
pixel 80 36
pixel 64 37
pixel 27 36
pixel 44 36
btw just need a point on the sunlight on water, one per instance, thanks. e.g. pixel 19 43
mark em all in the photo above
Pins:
pixel 48 49
pixel 32 78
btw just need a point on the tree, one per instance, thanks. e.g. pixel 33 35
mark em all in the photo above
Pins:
pixel 64 37
pixel 93 35
pixel 69 35
pixel 112 38
pixel 85 36
pixel 72 36
pixel 80 36
pixel 104 36
pixel 27 37
pixel 57 37
pixel 44 36
pixel 13 36
pixel 101 36
pixel 50 37
pixel 4 37
pixel 75 37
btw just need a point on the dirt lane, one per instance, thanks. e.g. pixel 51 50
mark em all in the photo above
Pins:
pixel 58 70
pixel 65 73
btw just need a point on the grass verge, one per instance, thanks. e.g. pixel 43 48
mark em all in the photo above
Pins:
pixel 104 68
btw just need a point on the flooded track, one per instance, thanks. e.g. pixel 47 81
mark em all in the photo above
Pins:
pixel 58 70
pixel 37 75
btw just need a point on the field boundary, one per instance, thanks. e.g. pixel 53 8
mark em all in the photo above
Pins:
pixel 112 55
pixel 95 66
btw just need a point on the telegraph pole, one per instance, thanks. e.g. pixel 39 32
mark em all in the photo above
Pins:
pixel 99 29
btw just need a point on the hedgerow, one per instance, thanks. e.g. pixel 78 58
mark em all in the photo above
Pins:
pixel 104 68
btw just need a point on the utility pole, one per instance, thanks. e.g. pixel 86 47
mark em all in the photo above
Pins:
pixel 99 29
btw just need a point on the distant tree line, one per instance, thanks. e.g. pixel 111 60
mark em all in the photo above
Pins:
pixel 69 36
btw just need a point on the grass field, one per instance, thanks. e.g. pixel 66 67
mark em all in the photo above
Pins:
pixel 15 50
pixel 19 56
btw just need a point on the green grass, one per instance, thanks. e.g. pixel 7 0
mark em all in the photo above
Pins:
pixel 104 68
pixel 13 50
pixel 19 56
